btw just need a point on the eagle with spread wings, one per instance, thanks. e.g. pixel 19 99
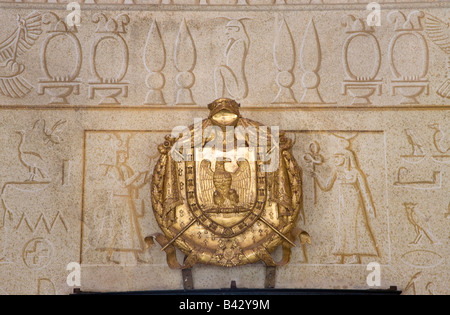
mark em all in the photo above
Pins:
pixel 222 188
pixel 12 84
pixel 439 33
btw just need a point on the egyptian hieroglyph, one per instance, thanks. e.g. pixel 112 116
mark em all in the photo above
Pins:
pixel 88 93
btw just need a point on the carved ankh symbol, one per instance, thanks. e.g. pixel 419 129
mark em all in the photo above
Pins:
pixel 314 158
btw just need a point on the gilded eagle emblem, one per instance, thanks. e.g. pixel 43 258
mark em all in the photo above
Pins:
pixel 226 184
pixel 223 207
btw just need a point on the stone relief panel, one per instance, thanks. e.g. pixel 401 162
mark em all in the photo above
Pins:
pixel 117 211
pixel 422 169
pixel 340 171
pixel 27 30
pixel 156 61
pixel 84 108
pixel 87 200
pixel 37 209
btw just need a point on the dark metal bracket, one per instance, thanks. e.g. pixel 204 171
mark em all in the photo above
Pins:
pixel 271 273
pixel 188 281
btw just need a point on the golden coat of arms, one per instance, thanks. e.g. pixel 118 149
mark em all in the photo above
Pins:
pixel 227 192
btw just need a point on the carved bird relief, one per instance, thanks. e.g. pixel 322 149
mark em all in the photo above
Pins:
pixel 417 148
pixel 37 167
pixel 439 33
pixel 421 224
pixel 12 84
pixel 441 139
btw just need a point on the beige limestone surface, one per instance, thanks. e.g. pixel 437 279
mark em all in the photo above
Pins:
pixel 70 96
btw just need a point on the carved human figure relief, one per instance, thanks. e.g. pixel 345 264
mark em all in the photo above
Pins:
pixel 155 62
pixel 12 82
pixel 361 66
pixel 120 230
pixel 355 208
pixel 229 77
pixel 109 74
pixel 439 32
pixel 60 78
pixel 408 66
pixel 116 217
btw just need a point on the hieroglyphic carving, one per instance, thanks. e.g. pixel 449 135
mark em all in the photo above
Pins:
pixel 12 83
pixel 354 240
pixel 19 196
pixel 431 288
pixel 439 33
pixel 410 74
pixel 155 61
pixel 361 68
pixel 434 183
pixel 422 258
pixel 447 214
pixel 426 244
pixel 414 288
pixel 315 159
pixel 310 61
pixel 417 154
pixel 61 79
pixel 47 224
pixel 411 286
pixel 421 224
pixel 33 160
pixel 284 58
pixel 38 253
pixel 185 60
pixel 229 77
pixel 441 142
pixel 439 146
pixel 109 76
pixel 65 178
pixel 46 287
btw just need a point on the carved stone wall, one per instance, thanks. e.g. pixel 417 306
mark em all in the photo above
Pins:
pixel 74 96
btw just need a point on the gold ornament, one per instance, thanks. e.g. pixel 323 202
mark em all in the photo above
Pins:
pixel 224 206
